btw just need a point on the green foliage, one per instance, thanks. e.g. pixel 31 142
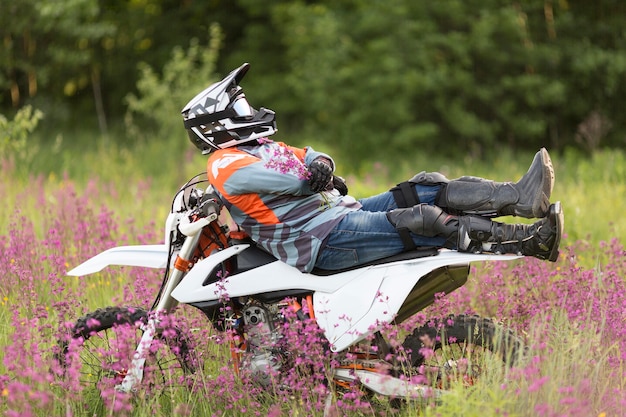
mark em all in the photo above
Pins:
pixel 14 134
pixel 415 75
pixel 412 75
pixel 160 98
pixel 49 50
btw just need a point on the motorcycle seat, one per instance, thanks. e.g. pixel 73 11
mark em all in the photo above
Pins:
pixel 256 256
pixel 420 252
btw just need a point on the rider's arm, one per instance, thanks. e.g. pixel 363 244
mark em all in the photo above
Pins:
pixel 308 155
pixel 234 172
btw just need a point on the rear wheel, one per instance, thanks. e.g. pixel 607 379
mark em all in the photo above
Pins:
pixel 102 345
pixel 461 348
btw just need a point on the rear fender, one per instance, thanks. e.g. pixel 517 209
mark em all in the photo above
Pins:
pixel 351 312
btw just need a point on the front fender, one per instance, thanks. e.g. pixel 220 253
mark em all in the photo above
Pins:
pixel 149 256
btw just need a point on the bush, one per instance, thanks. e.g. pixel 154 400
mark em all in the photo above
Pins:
pixel 161 97
pixel 14 134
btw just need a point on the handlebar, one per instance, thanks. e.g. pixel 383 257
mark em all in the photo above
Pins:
pixel 207 211
pixel 209 207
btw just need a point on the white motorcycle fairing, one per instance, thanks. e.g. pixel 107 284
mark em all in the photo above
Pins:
pixel 348 305
pixel 149 256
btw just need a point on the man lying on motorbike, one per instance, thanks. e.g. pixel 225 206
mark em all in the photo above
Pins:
pixel 289 202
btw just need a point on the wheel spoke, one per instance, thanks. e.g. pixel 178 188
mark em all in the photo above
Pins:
pixel 460 348
pixel 107 350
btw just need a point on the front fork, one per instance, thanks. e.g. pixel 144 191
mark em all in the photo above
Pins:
pixel 166 304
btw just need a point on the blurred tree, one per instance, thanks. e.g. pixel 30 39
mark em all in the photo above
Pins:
pixel 415 76
pixel 147 31
pixel 48 47
pixel 448 76
pixel 154 112
pixel 586 42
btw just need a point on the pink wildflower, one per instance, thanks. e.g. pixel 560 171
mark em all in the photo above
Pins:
pixel 285 161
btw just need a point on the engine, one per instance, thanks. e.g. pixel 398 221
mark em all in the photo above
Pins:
pixel 263 357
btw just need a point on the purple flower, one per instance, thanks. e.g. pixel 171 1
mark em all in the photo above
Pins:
pixel 283 160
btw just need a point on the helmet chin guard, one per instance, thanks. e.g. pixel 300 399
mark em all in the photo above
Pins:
pixel 221 116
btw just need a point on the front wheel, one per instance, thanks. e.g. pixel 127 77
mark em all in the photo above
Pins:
pixel 461 348
pixel 102 344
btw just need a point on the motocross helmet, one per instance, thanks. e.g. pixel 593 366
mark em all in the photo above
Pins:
pixel 221 117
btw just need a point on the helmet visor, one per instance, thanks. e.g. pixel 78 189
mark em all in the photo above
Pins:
pixel 242 108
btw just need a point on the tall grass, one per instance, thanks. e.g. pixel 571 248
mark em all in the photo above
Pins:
pixel 572 313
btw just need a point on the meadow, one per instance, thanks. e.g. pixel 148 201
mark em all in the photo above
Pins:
pixel 59 209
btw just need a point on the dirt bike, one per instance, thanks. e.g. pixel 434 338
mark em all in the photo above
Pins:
pixel 244 291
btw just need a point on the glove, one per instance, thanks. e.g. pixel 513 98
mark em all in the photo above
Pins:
pixel 321 174
pixel 340 185
pixel 209 204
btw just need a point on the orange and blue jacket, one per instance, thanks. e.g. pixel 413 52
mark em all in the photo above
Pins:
pixel 265 189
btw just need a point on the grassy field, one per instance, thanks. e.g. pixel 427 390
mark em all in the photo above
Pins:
pixel 66 204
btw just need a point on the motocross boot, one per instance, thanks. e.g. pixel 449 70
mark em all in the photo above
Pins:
pixel 469 233
pixel 541 239
pixel 529 197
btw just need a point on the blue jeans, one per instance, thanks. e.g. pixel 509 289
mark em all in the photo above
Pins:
pixel 366 235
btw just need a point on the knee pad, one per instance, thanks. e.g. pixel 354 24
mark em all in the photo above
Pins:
pixel 424 220
pixel 404 193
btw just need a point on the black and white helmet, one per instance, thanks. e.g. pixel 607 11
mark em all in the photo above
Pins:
pixel 221 117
